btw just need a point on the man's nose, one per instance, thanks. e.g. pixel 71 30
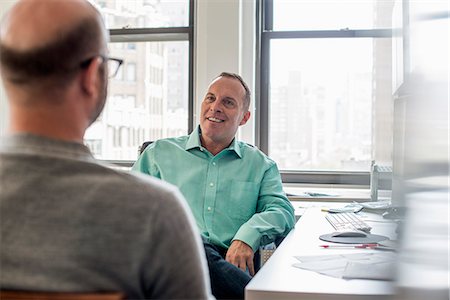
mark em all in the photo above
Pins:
pixel 216 106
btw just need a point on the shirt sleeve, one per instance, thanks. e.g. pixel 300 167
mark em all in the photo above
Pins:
pixel 146 162
pixel 275 214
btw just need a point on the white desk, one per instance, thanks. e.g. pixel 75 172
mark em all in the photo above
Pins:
pixel 299 193
pixel 278 279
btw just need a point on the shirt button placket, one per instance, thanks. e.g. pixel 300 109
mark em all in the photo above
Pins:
pixel 210 196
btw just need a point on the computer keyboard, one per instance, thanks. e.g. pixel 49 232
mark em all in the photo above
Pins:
pixel 347 221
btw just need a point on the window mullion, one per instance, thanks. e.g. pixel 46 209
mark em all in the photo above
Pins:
pixel 343 33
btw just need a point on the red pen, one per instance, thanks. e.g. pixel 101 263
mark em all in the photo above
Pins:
pixel 362 246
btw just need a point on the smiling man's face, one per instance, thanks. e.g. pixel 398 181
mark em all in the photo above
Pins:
pixel 223 111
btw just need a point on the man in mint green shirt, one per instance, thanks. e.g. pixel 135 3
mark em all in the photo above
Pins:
pixel 234 190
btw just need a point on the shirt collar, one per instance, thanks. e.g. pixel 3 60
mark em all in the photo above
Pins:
pixel 235 147
pixel 194 142
pixel 194 139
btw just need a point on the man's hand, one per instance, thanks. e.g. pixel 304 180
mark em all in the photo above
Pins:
pixel 241 255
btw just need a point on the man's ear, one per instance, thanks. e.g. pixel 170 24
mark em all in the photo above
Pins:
pixel 90 78
pixel 245 118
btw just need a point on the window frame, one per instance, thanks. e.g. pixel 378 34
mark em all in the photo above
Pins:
pixel 264 35
pixel 162 34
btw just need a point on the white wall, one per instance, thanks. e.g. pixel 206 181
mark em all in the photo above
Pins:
pixel 224 41
pixel 4 6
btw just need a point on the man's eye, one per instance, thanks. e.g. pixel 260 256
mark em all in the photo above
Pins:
pixel 209 98
pixel 228 103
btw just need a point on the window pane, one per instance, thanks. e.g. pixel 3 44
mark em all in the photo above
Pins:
pixel 120 14
pixel 331 14
pixel 322 102
pixel 147 100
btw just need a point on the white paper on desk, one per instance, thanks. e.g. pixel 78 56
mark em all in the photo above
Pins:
pixel 376 271
pixel 336 265
pixel 322 265
pixel 357 256
pixel 331 265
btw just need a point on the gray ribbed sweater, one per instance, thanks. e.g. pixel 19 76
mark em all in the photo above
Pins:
pixel 71 224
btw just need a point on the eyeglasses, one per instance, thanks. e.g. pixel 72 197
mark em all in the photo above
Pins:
pixel 113 64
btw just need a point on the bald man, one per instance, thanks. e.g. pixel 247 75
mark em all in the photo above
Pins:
pixel 67 222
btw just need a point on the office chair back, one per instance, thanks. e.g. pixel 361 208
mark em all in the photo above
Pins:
pixel 27 295
pixel 143 146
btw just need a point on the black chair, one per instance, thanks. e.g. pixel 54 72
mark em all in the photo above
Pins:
pixel 143 146
pixel 264 253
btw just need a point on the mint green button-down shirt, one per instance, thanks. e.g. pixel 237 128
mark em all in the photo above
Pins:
pixel 234 195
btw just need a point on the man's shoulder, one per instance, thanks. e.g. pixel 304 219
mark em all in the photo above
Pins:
pixel 251 151
pixel 178 142
pixel 248 147
pixel 133 184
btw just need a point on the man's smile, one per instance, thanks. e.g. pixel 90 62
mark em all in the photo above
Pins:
pixel 212 119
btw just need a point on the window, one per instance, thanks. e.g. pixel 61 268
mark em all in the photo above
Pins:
pixel 326 15
pixel 94 145
pixel 131 72
pixel 325 83
pixel 151 95
pixel 142 14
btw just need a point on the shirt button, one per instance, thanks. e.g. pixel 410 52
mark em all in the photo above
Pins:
pixel 209 208
pixel 211 184
pixel 214 163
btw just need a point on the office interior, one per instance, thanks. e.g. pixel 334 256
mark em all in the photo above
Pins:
pixel 396 116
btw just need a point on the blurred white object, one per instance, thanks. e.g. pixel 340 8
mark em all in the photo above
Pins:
pixel 423 154
pixel 423 266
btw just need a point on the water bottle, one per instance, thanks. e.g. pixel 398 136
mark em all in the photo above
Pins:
pixel 374 175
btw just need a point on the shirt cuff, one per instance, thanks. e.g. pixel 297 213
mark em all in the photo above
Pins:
pixel 249 235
